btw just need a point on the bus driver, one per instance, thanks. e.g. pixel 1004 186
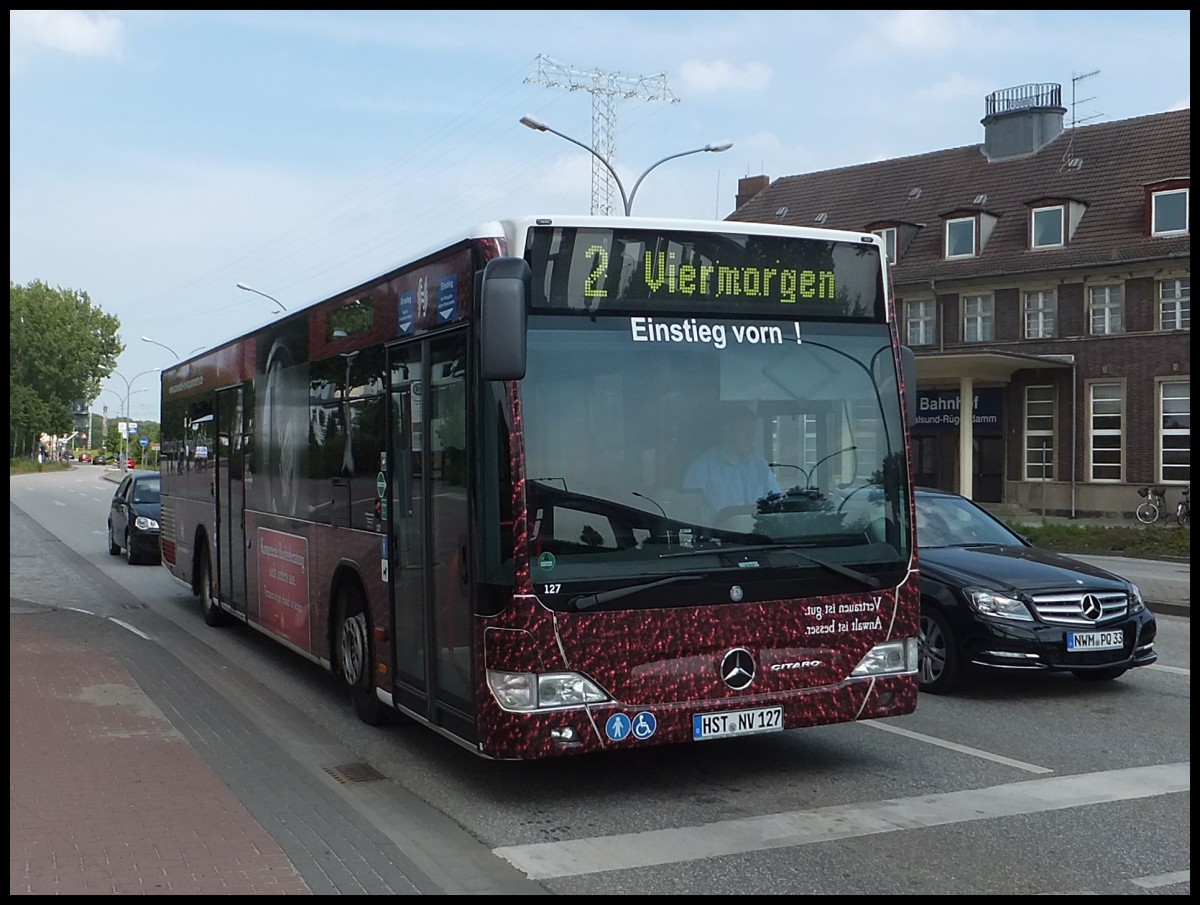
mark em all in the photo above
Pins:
pixel 731 473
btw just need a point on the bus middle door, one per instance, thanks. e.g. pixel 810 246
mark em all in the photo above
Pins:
pixel 229 464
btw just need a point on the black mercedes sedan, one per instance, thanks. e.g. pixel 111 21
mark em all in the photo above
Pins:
pixel 991 599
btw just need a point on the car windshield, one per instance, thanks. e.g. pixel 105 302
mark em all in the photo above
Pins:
pixel 146 491
pixel 953 521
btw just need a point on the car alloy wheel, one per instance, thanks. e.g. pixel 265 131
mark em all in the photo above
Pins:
pixel 938 662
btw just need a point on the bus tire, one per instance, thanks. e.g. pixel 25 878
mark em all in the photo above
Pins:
pixel 354 654
pixel 213 614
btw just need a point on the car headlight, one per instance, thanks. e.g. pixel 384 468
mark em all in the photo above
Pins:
pixel 142 523
pixel 1136 603
pixel 987 602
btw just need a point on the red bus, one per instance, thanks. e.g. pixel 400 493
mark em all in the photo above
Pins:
pixel 474 488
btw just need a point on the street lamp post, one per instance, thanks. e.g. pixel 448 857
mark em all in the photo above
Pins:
pixel 626 199
pixel 128 392
pixel 104 433
pixel 155 342
pixel 263 294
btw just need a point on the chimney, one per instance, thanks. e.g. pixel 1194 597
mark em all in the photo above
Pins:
pixel 748 187
pixel 1021 121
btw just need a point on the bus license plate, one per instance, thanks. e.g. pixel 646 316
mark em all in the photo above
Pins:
pixel 1114 640
pixel 738 722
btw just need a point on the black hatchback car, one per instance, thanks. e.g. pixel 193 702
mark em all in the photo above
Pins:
pixel 991 599
pixel 133 518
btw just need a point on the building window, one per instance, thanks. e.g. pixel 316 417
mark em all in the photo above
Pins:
pixel 888 236
pixel 1175 304
pixel 920 318
pixel 1169 212
pixel 1046 227
pixel 1039 433
pixel 1175 440
pixel 1105 410
pixel 1105 310
pixel 979 317
pixel 960 238
pixel 1040 308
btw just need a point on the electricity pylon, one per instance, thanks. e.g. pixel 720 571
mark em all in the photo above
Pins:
pixel 606 89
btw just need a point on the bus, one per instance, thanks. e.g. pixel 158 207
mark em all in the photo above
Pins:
pixel 462 486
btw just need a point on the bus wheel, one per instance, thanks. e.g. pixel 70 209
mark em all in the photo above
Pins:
pixel 213 614
pixel 354 654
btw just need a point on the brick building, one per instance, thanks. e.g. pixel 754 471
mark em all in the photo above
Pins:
pixel 1045 275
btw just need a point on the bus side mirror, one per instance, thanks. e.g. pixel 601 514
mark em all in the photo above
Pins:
pixel 502 299
pixel 908 374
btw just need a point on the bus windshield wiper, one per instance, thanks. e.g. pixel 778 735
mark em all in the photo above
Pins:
pixel 845 571
pixel 587 601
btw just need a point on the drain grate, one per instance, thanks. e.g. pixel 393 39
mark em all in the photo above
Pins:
pixel 347 773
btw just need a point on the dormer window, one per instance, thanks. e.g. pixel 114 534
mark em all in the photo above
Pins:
pixel 1169 212
pixel 1047 227
pixel 960 237
pixel 888 236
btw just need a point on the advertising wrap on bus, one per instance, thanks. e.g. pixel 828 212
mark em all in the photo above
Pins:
pixel 573 484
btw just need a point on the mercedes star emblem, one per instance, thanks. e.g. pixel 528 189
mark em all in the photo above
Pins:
pixel 737 668
pixel 1091 606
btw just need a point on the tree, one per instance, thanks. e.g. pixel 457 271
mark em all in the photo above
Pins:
pixel 61 348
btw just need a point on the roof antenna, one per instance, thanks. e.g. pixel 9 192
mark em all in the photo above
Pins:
pixel 1070 161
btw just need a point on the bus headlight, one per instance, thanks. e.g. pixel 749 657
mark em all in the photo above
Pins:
pixel 891 658
pixel 533 691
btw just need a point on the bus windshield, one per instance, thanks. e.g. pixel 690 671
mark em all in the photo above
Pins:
pixel 655 446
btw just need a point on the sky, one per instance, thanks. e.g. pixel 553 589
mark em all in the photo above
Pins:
pixel 158 158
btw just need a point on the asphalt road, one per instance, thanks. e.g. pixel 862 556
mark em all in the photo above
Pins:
pixel 1021 784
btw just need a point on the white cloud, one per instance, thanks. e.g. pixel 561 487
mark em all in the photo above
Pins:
pixel 68 31
pixel 924 30
pixel 954 87
pixel 698 77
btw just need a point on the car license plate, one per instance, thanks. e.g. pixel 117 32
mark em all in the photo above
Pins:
pixel 1113 640
pixel 738 722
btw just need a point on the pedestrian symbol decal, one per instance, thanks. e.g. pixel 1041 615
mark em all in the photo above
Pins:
pixel 618 726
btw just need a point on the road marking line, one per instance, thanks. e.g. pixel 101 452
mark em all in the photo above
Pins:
pixel 626 851
pixel 126 625
pixel 1174 670
pixel 962 749
pixel 1180 876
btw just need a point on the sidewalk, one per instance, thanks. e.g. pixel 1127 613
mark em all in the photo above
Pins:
pixel 142 761
pixel 106 797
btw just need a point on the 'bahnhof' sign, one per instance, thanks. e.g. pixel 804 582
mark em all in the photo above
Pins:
pixel 939 409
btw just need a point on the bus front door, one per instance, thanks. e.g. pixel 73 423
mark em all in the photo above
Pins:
pixel 429 552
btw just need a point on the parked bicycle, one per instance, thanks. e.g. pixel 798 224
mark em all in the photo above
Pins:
pixel 1155 506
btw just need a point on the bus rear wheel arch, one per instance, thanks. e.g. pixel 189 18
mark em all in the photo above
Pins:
pixel 353 650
